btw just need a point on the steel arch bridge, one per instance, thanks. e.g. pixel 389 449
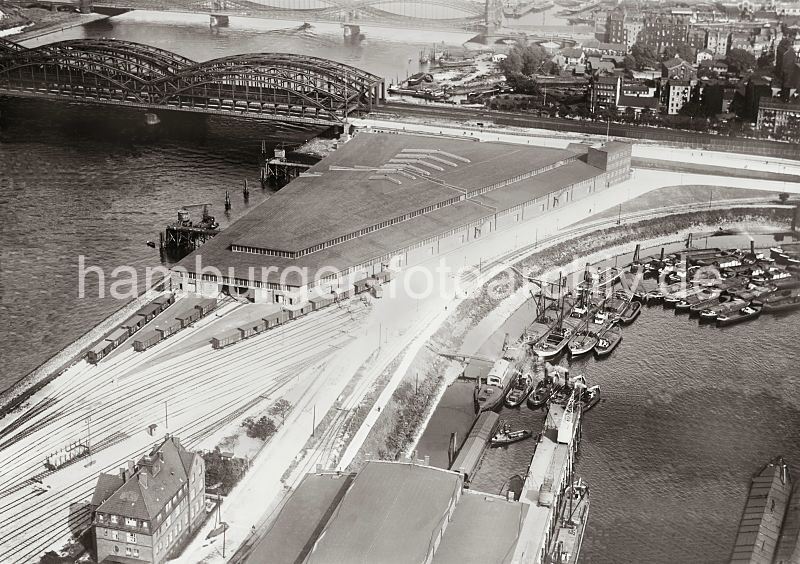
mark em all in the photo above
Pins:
pixel 467 14
pixel 270 86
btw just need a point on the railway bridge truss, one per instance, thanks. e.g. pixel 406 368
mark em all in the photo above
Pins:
pixel 269 86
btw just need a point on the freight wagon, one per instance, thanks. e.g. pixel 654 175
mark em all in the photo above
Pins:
pixel 98 351
pixel 321 301
pixel 362 285
pixel 188 317
pixel 147 340
pixel 133 324
pixel 276 318
pixel 168 328
pixel 300 312
pixel 252 328
pixel 165 301
pixel 206 306
pixel 118 336
pixel 226 339
pixel 149 312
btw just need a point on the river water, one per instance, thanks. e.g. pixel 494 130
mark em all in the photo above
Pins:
pixel 690 412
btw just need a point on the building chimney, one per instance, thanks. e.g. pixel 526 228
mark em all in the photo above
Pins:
pixel 143 477
pixel 123 473
pixel 130 470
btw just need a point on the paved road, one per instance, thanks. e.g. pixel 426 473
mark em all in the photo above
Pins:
pixel 704 140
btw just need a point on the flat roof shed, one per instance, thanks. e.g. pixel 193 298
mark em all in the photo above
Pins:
pixel 391 513
pixel 484 528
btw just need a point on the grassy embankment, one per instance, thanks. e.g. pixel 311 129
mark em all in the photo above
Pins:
pixel 400 420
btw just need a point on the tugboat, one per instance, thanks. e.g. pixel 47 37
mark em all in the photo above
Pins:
pixel 505 436
pixel 589 398
pixel 520 390
pixel 544 390
pixel 745 314
pixel 489 395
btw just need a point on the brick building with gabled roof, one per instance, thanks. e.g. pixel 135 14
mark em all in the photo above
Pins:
pixel 143 513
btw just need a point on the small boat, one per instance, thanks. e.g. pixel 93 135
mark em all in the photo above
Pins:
pixel 745 314
pixel 711 314
pixel 590 398
pixel 608 341
pixel 520 390
pixel 697 308
pixel 780 301
pixel 505 436
pixel 582 342
pixel 630 312
pixel 553 343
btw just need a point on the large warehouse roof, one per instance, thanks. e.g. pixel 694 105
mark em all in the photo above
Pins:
pixel 312 209
pixel 346 197
pixel 390 514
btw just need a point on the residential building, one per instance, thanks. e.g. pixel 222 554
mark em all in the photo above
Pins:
pixel 717 41
pixel 605 92
pixel 594 47
pixel 704 55
pixel 780 119
pixel 633 27
pixel 638 90
pixel 639 104
pixel 664 30
pixel 615 27
pixel 696 39
pixel 677 68
pixel 147 510
pixel 676 93
pixel 572 56
pixel 740 40
pixel 716 66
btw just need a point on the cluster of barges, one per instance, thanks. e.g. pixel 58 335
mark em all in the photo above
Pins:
pixel 725 287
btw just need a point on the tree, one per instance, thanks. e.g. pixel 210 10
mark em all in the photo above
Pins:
pixel 524 59
pixel 644 54
pixel 692 110
pixel 784 45
pixel 629 63
pixel 683 51
pixel 262 429
pixel 281 408
pixel 740 60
